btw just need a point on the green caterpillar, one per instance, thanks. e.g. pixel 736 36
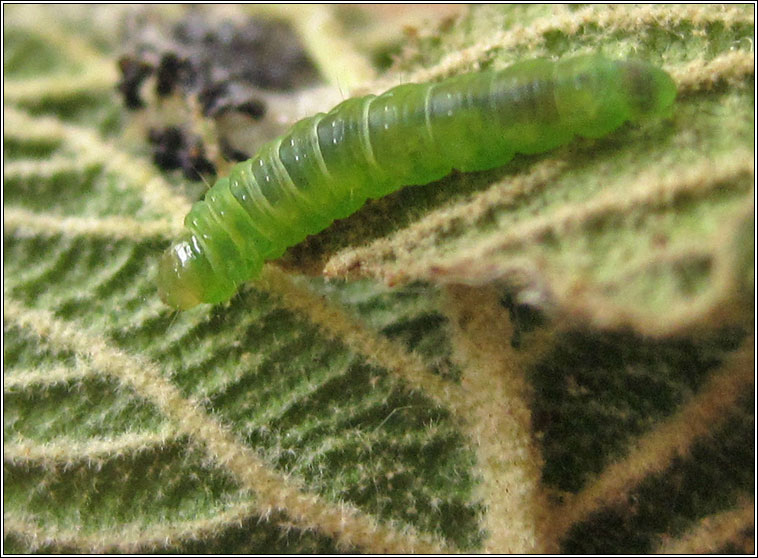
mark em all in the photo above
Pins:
pixel 327 165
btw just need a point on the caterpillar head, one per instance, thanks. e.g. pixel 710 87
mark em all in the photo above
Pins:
pixel 186 278
pixel 596 95
pixel 650 92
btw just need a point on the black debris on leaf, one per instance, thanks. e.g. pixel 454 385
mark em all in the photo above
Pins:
pixel 221 67
pixel 195 164
pixel 228 97
pixel 133 73
pixel 232 154
pixel 166 145
pixel 228 66
pixel 263 53
pixel 213 99
pixel 172 72
pixel 173 148
pixel 253 108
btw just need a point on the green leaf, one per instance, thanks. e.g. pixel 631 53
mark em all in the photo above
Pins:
pixel 560 361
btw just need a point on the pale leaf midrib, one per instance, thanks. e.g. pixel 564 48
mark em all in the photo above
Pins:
pixel 342 521
pixel 629 19
pixel 494 399
pixel 92 148
pixel 713 532
pixel 27 223
pixel 656 449
pixel 130 537
pixel 655 188
pixel 63 451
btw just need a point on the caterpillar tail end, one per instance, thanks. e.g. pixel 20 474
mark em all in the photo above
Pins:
pixel 186 279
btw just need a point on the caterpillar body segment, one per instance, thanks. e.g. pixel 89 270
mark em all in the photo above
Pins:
pixel 327 165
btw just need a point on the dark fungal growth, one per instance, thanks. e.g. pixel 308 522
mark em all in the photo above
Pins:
pixel 221 68
pixel 173 148
pixel 133 73
pixel 197 57
pixel 328 165
pixel 171 73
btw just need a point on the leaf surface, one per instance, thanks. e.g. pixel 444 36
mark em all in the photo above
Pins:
pixel 549 356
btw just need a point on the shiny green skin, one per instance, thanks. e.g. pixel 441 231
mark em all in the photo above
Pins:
pixel 327 165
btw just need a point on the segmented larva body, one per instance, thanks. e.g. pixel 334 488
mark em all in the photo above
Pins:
pixel 327 165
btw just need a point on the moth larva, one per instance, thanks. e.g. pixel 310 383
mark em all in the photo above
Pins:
pixel 327 165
